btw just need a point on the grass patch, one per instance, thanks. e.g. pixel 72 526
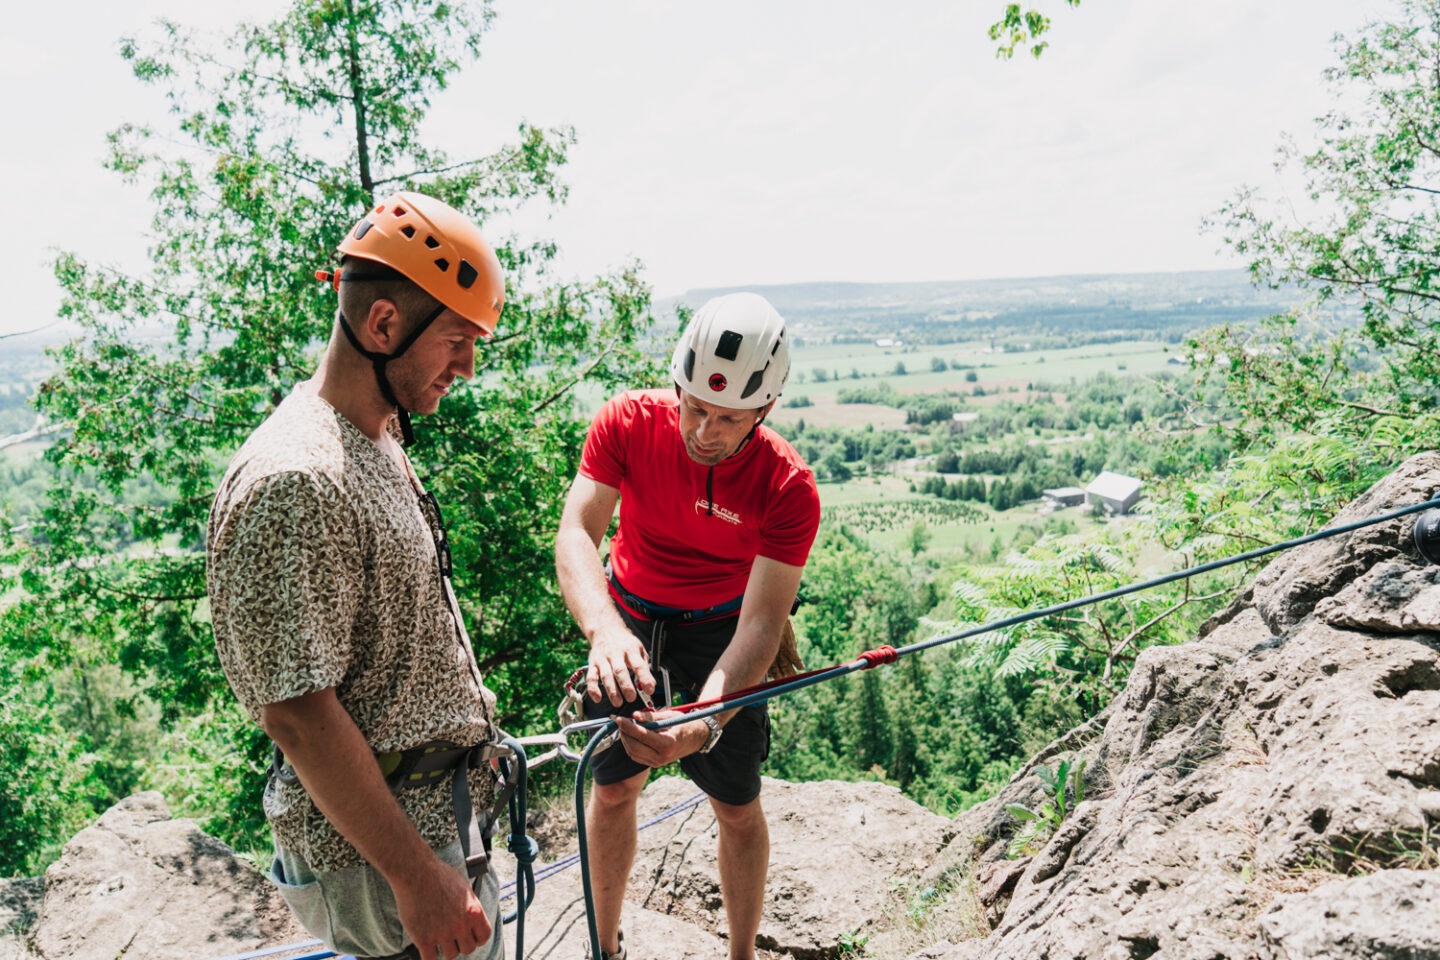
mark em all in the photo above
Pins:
pixel 919 915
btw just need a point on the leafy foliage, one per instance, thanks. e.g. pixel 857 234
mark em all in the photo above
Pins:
pixel 1021 28
pixel 282 135
pixel 1062 789
pixel 1365 349
pixel 45 772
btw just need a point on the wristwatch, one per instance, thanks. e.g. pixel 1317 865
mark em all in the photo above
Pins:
pixel 715 731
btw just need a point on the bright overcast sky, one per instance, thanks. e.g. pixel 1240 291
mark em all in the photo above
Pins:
pixel 766 142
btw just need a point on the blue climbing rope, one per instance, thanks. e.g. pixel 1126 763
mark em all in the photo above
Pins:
pixel 521 846
pixel 565 863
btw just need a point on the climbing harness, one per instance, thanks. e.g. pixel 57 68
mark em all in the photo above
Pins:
pixel 651 611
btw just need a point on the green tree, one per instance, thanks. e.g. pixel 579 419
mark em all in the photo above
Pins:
pixel 918 537
pixel 1368 249
pixel 874 744
pixel 282 135
pixel 46 773
pixel 833 465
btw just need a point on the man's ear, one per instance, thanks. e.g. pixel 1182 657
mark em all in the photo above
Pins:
pixel 384 325
pixel 765 411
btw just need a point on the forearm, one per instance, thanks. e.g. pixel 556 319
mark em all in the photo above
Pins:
pixel 743 664
pixel 769 595
pixel 582 583
pixel 339 772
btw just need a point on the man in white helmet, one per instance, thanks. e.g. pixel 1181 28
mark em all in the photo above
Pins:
pixel 717 515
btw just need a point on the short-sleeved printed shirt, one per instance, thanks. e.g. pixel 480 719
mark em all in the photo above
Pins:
pixel 671 547
pixel 322 572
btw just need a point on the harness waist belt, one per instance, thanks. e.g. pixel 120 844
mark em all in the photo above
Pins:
pixel 653 611
pixel 426 764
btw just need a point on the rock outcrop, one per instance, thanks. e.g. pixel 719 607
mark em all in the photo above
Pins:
pixel 833 846
pixel 1247 786
pixel 138 884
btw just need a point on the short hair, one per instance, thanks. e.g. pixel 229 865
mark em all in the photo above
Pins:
pixel 379 282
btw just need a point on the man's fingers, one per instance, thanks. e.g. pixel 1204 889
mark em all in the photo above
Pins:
pixel 636 660
pixel 626 685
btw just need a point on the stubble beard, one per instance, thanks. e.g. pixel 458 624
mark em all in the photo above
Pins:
pixel 707 460
pixel 418 398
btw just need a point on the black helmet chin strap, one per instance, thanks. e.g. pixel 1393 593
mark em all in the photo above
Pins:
pixel 710 474
pixel 379 360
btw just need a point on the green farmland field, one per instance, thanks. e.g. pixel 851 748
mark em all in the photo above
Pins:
pixel 883 509
pixel 1056 367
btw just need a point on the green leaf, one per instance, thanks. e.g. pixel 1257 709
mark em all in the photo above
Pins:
pixel 1020 812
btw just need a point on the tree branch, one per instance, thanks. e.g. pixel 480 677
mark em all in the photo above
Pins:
pixel 571 385
pixel 428 173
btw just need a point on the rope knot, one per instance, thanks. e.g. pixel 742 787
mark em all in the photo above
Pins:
pixel 882 654
pixel 524 847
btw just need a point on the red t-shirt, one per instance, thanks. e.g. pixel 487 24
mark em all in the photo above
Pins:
pixel 668 549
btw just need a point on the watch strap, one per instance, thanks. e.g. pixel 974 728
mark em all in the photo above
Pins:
pixel 715 731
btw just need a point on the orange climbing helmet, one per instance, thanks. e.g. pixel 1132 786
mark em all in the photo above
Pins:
pixel 435 246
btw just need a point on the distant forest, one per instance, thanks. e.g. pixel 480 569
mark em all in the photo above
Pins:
pixel 1047 312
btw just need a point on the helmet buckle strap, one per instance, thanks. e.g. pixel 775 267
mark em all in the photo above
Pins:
pixel 378 361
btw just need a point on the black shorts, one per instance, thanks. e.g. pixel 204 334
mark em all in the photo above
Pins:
pixel 730 772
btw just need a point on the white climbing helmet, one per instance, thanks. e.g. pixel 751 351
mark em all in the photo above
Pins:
pixel 734 352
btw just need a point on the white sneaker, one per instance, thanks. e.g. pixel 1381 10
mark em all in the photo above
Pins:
pixel 617 955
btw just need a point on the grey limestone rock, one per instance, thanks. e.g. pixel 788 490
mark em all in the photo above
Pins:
pixel 19 902
pixel 833 846
pixel 138 884
pixel 1390 914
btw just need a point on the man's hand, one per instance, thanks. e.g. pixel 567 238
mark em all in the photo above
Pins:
pixel 320 740
pixel 614 655
pixel 441 914
pixel 656 748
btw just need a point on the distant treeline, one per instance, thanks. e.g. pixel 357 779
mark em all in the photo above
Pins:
pixel 1043 328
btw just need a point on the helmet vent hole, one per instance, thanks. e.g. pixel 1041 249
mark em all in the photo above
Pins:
pixel 753 384
pixel 362 228
pixel 409 232
pixel 728 348
pixel 442 263
pixel 774 348
pixel 465 276
pixel 398 211
pixel 690 364
pixel 431 242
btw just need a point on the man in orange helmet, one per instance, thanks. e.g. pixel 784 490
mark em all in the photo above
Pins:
pixel 328 575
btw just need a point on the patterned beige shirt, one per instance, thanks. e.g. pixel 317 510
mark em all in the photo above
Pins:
pixel 322 572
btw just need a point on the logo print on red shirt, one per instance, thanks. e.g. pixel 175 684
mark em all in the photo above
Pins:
pixel 717 382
